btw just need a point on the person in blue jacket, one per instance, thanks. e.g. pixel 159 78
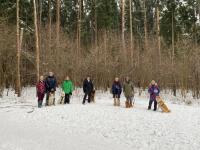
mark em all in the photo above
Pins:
pixel 116 91
pixel 154 92
pixel 50 85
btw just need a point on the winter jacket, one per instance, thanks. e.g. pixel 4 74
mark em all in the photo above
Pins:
pixel 153 91
pixel 88 86
pixel 128 89
pixel 40 87
pixel 68 87
pixel 116 88
pixel 50 84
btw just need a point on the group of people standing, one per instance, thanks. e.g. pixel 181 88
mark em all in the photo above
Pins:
pixel 48 86
pixel 128 89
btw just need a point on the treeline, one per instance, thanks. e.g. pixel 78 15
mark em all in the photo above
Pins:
pixel 144 39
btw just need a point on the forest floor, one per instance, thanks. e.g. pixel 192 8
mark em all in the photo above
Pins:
pixel 98 126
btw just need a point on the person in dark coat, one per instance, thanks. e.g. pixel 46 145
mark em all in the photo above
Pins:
pixel 116 91
pixel 88 88
pixel 153 91
pixel 50 84
pixel 40 88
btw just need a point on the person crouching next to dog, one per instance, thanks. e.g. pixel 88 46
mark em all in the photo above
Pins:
pixel 68 88
pixel 116 91
pixel 128 89
pixel 88 88
pixel 51 85
pixel 154 92
pixel 40 89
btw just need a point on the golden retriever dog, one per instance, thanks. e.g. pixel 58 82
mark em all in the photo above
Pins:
pixel 162 105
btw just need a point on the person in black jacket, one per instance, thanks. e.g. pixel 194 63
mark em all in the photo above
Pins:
pixel 87 89
pixel 50 84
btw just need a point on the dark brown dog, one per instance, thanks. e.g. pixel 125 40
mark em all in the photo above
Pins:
pixel 92 98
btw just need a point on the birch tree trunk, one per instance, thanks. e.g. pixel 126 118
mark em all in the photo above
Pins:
pixel 18 86
pixel 36 42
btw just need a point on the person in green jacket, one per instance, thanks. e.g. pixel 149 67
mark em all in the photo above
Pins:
pixel 68 88
pixel 128 89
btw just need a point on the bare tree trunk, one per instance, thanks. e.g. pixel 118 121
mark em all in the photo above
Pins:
pixel 57 22
pixel 18 86
pixel 123 25
pixel 49 20
pixel 131 23
pixel 95 22
pixel 96 38
pixel 145 25
pixel 36 42
pixel 173 46
pixel 131 30
pixel 49 30
pixel 79 27
pixel 40 22
pixel 173 55
pixel 158 31
pixel 40 5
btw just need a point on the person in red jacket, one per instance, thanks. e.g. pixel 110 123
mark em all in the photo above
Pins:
pixel 40 88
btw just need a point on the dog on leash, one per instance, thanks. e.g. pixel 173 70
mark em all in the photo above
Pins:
pixel 162 105
pixel 51 100
pixel 92 98
pixel 62 98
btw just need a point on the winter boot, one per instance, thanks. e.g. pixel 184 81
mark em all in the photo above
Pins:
pixel 126 104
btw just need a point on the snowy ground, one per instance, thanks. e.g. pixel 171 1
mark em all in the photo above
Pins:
pixel 98 126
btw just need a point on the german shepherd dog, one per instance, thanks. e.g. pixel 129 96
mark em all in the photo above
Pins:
pixel 92 98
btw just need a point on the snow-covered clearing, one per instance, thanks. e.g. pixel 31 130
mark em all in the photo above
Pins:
pixel 98 126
